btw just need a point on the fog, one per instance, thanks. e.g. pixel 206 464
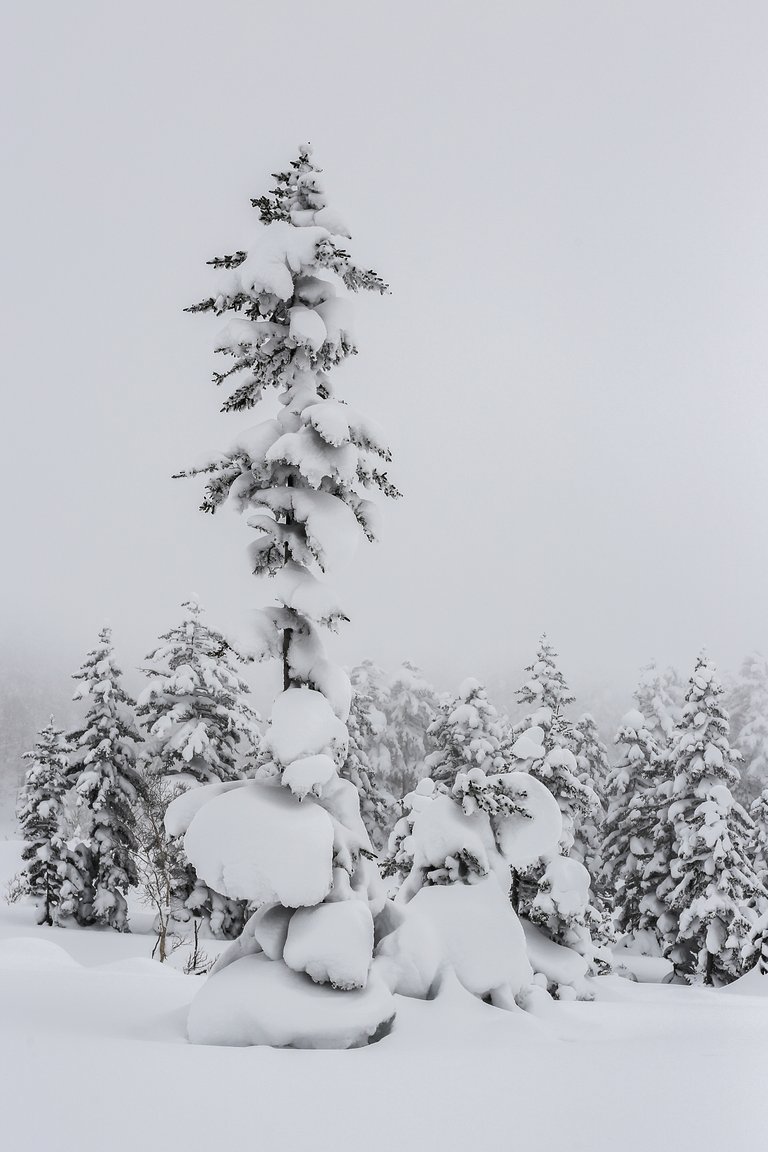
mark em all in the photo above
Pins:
pixel 568 201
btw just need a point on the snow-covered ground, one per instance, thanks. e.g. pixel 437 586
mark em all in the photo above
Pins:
pixel 93 1055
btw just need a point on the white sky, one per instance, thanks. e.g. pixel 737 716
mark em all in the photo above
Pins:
pixel 568 200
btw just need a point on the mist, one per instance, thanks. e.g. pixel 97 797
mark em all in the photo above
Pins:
pixel 569 206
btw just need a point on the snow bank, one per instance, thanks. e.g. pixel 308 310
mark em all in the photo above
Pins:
pixel 643 969
pixel 256 1001
pixel 259 843
pixel 752 983
pixel 27 954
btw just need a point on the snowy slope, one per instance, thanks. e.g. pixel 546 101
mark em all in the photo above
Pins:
pixel 92 1047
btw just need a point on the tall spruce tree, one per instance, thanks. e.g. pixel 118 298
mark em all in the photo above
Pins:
pixel 712 890
pixel 303 477
pixel 45 854
pixel 103 771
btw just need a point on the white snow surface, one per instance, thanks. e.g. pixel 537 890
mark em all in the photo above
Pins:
pixel 258 1001
pixel 643 1045
pixel 259 843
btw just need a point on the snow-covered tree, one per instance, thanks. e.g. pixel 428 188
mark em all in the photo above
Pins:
pixel 411 705
pixel 160 860
pixel 200 728
pixel 593 771
pixel 545 691
pixel 195 709
pixel 630 823
pixel 659 697
pixel 467 733
pixel 455 849
pixel 758 811
pixel 545 748
pixel 377 807
pixel 712 889
pixel 45 854
pixel 303 478
pixel 102 768
pixel 749 700
pixel 546 743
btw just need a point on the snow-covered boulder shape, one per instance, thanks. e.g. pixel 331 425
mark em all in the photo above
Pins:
pixel 467 929
pixel 557 966
pixel 259 843
pixel 304 724
pixel 525 836
pixel 331 943
pixel 255 1001
pixel 458 849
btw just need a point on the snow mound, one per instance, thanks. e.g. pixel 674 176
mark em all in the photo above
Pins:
pixel 303 724
pixel 643 969
pixel 529 745
pixel 27 954
pixel 469 929
pixel 752 983
pixel 309 775
pixel 332 943
pixel 259 843
pixel 139 966
pixel 561 966
pixel 257 1001
pixel 184 808
pixel 523 839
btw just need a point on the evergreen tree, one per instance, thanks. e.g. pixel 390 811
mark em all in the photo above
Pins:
pixel 106 781
pixel 659 700
pixel 195 709
pixel 750 725
pixel 467 733
pixel 546 689
pixel 759 813
pixel 630 824
pixel 593 771
pixel 712 889
pixel 200 728
pixel 376 805
pixel 40 817
pixel 545 746
pixel 304 478
pixel 410 707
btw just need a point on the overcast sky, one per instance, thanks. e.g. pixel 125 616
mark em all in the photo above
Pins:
pixel 569 201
